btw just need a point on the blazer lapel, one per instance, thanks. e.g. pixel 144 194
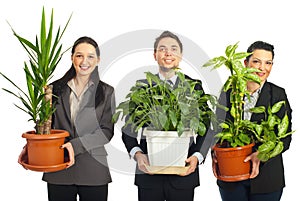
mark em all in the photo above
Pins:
pixel 66 102
pixel 264 99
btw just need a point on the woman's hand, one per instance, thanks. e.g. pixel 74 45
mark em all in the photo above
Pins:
pixel 23 156
pixel 255 164
pixel 70 149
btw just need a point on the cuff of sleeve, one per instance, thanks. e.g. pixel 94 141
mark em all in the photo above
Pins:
pixel 134 150
pixel 199 156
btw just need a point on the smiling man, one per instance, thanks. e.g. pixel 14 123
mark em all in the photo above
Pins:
pixel 164 187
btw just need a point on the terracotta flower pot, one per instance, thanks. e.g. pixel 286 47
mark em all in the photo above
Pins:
pixel 44 152
pixel 230 164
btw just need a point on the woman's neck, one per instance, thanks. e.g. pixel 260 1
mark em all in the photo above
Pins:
pixel 80 83
pixel 253 86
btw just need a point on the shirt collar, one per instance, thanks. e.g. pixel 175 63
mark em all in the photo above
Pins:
pixel 173 78
pixel 71 84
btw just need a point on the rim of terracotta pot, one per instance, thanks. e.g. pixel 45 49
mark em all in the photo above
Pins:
pixel 55 133
pixel 217 147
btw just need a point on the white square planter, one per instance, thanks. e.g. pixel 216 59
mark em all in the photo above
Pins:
pixel 166 148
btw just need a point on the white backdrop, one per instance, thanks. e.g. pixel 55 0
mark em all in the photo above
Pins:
pixel 212 25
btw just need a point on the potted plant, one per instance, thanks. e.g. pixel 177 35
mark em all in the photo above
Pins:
pixel 237 137
pixel 43 143
pixel 168 115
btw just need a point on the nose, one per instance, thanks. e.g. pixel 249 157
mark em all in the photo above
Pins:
pixel 262 66
pixel 84 60
pixel 168 52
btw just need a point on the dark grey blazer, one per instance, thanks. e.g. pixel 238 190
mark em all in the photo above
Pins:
pixel 271 173
pixel 92 129
pixel 157 181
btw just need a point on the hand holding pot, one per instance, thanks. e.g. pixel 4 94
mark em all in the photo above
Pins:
pixel 142 161
pixel 70 149
pixel 255 164
pixel 193 162
pixel 23 156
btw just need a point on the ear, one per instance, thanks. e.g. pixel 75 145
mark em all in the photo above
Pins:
pixel 245 62
pixel 154 55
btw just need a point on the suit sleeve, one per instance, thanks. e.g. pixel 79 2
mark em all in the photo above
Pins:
pixel 286 109
pixel 203 143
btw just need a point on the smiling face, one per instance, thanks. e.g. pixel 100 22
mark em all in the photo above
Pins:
pixel 168 53
pixel 262 60
pixel 85 59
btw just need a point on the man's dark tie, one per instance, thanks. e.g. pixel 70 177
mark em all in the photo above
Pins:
pixel 170 82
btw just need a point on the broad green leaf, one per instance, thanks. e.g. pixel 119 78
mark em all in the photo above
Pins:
pixel 276 107
pixel 258 109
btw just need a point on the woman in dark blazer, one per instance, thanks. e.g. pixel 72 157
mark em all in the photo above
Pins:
pixel 84 107
pixel 266 181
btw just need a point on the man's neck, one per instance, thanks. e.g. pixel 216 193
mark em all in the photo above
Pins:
pixel 167 73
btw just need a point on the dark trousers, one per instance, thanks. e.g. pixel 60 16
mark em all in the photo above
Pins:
pixel 167 193
pixel 70 192
pixel 242 193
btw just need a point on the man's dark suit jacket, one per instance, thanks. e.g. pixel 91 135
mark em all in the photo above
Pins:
pixel 156 181
pixel 271 173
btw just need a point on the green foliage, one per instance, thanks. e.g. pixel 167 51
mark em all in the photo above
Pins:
pixel 270 131
pixel 44 55
pixel 161 107
pixel 240 132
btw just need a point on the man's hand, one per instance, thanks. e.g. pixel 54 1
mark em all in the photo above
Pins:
pixel 142 161
pixel 193 163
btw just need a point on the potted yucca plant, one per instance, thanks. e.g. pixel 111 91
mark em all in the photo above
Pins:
pixel 236 137
pixel 169 117
pixel 44 55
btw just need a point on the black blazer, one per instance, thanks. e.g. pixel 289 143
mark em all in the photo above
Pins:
pixel 156 181
pixel 271 173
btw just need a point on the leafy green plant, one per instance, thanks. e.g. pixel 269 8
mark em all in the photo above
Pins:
pixel 240 132
pixel 44 55
pixel 159 106
pixel 270 131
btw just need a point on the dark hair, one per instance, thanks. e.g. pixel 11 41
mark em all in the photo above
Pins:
pixel 260 45
pixel 88 40
pixel 167 34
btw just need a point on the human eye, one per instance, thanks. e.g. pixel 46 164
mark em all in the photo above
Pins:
pixel 174 49
pixel 269 63
pixel 91 56
pixel 162 49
